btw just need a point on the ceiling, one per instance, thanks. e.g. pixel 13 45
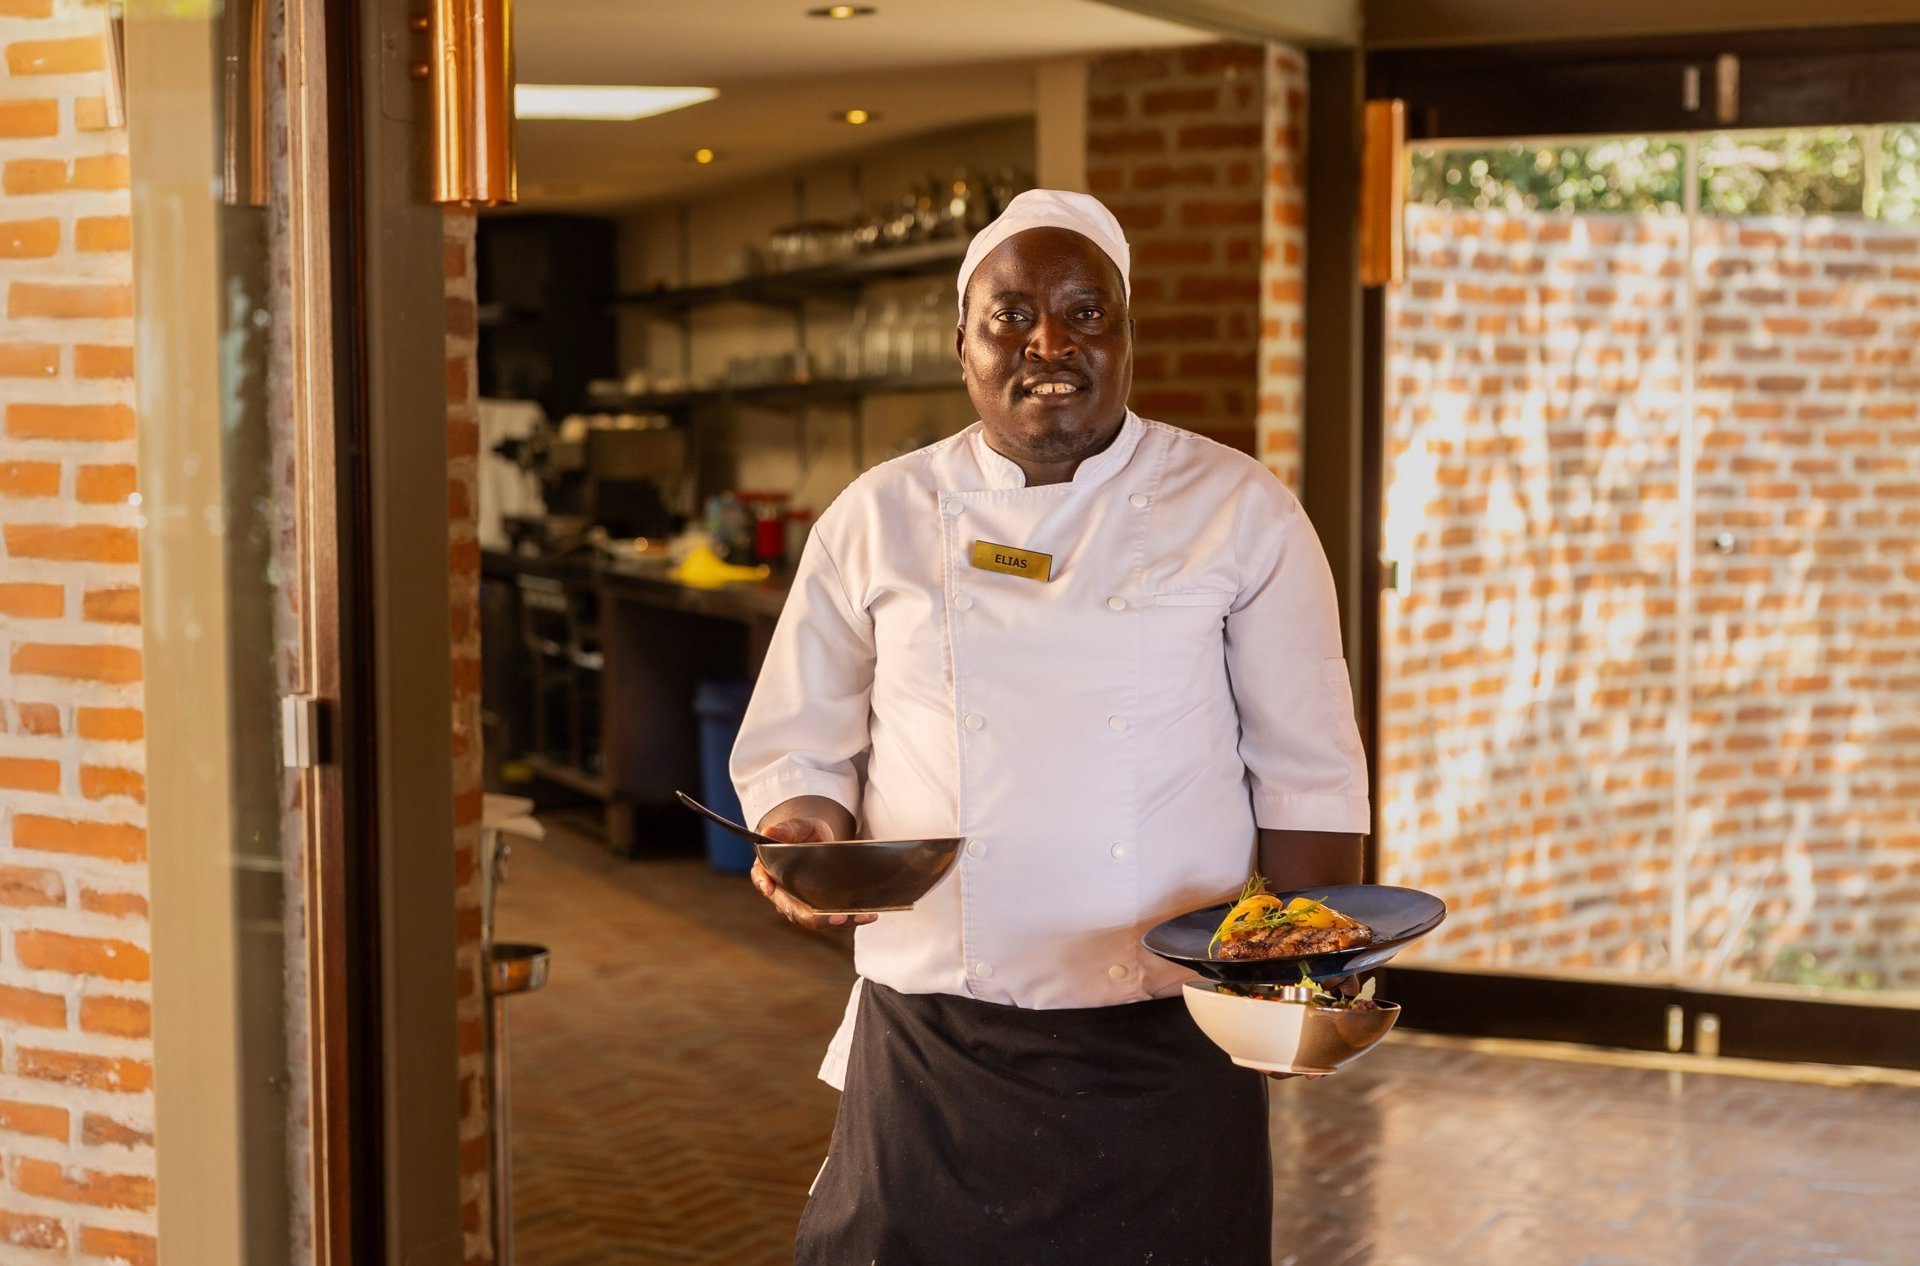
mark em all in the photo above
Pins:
pixel 917 65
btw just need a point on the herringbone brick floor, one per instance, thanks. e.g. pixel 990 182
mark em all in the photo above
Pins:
pixel 665 1108
pixel 666 1112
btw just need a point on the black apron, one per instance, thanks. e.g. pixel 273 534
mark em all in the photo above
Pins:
pixel 975 1134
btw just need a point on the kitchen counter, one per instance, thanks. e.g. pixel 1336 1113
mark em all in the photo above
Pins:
pixel 592 666
pixel 645 580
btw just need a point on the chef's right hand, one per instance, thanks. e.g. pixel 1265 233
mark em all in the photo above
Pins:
pixel 799 830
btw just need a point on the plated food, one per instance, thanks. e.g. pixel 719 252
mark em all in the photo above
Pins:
pixel 1266 953
pixel 1261 925
pixel 1309 991
pixel 1392 917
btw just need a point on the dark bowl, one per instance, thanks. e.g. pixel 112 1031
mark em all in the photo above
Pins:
pixel 1398 916
pixel 860 876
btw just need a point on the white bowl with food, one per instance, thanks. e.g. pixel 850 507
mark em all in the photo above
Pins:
pixel 1288 1028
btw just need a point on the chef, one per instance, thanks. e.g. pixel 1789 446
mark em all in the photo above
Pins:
pixel 1106 652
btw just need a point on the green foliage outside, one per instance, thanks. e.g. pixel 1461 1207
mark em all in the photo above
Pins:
pixel 1803 967
pixel 1872 171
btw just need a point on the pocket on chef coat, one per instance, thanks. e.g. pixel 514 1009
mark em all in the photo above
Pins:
pixel 1175 620
pixel 1215 598
pixel 1185 644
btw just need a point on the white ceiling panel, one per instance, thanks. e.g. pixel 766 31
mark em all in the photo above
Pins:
pixel 918 65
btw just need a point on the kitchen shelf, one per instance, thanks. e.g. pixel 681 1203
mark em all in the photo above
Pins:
pixel 795 286
pixel 596 785
pixel 786 395
pixel 491 316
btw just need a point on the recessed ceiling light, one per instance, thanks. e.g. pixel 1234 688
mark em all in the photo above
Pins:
pixel 603 101
pixel 842 11
pixel 855 117
pixel 704 155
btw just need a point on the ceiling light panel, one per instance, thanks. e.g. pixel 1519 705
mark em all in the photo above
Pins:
pixel 617 102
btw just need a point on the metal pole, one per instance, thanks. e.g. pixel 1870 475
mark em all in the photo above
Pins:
pixel 502 1135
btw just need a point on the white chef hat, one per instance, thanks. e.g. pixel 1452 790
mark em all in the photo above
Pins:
pixel 1050 209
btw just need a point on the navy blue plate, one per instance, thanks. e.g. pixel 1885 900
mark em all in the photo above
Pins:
pixel 1398 916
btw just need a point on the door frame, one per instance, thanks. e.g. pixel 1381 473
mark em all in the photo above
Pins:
pixel 397 700
pixel 1776 79
pixel 368 389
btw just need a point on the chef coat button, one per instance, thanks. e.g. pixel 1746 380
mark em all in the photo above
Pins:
pixel 963 603
pixel 1119 851
pixel 1117 971
pixel 1138 500
pixel 1117 603
pixel 1116 723
pixel 983 970
pixel 975 721
pixel 952 507
pixel 975 848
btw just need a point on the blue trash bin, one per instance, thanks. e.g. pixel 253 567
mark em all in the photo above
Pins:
pixel 720 705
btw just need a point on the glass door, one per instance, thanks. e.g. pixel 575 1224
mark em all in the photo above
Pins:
pixel 1801 785
pixel 1537 377
pixel 1649 674
pixel 228 147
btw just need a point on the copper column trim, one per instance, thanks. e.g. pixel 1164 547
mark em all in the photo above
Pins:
pixel 472 78
pixel 243 103
pixel 1383 194
pixel 113 51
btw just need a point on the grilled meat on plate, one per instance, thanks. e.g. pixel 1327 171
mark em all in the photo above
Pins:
pixel 1288 940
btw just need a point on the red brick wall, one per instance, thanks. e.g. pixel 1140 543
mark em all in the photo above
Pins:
pixel 1174 147
pixel 1562 687
pixel 1805 672
pixel 463 443
pixel 76 1104
pixel 1283 245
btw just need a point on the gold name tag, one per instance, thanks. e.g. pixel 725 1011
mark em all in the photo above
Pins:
pixel 1014 562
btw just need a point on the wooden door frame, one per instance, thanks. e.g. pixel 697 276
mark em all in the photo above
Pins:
pixel 1830 76
pixel 396 708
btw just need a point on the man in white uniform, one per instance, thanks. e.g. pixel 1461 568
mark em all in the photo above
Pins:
pixel 1106 651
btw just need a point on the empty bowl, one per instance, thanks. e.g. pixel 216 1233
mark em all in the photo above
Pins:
pixel 1280 1035
pixel 847 876
pixel 860 876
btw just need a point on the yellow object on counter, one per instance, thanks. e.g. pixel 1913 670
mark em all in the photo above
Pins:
pixel 704 569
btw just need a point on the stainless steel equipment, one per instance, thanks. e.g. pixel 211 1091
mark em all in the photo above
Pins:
pixel 512 967
pixel 627 473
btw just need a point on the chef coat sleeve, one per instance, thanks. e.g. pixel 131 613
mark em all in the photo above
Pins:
pixel 805 729
pixel 1298 737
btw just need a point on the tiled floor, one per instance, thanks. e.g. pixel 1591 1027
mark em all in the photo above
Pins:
pixel 666 1112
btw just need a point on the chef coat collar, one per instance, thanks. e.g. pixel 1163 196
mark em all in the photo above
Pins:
pixel 1002 471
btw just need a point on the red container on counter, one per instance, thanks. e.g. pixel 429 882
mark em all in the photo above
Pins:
pixel 769 525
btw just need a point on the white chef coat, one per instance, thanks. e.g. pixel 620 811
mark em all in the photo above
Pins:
pixel 1107 740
